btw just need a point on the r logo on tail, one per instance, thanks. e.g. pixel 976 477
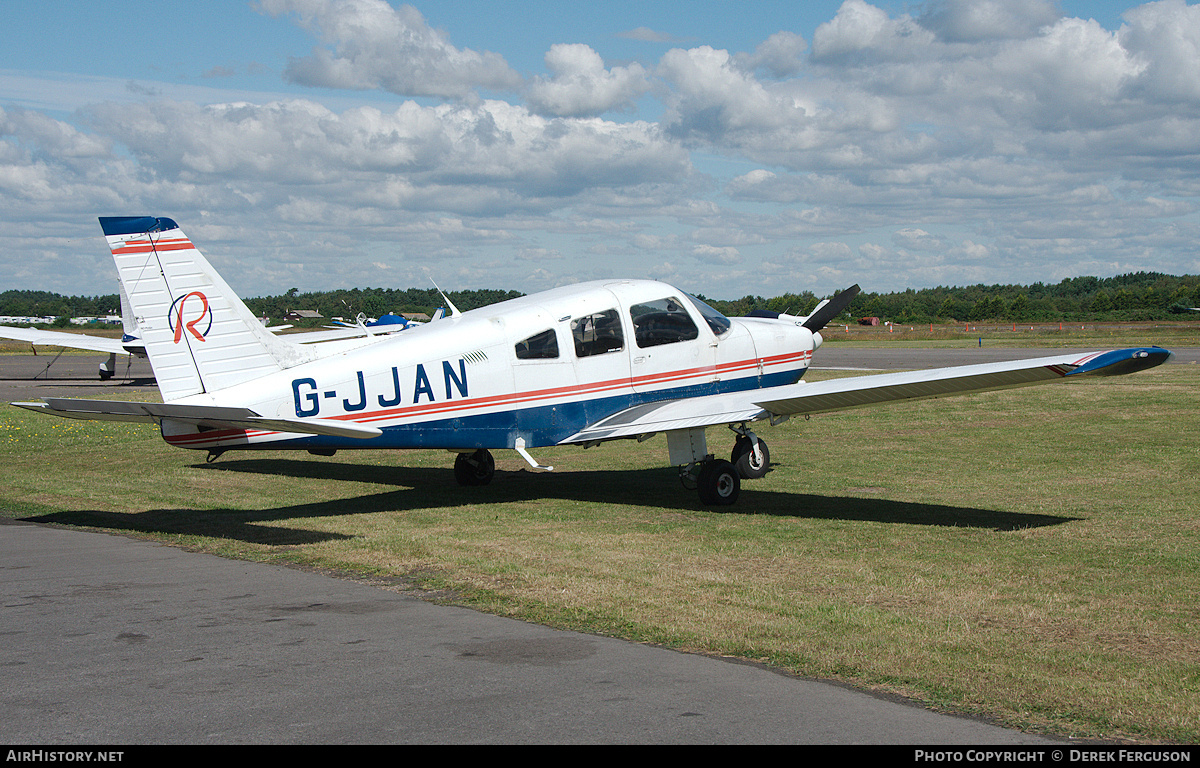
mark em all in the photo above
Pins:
pixel 175 317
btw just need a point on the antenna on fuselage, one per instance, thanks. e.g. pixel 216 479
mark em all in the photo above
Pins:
pixel 453 309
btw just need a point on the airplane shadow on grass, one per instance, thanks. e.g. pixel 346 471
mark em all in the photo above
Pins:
pixel 417 488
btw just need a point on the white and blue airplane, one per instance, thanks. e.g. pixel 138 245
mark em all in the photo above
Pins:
pixel 579 365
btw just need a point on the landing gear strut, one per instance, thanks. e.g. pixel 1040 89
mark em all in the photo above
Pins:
pixel 474 468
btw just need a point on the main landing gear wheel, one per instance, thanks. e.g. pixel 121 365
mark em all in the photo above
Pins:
pixel 108 367
pixel 718 483
pixel 474 468
pixel 749 466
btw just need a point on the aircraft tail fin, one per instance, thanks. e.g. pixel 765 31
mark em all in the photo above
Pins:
pixel 199 335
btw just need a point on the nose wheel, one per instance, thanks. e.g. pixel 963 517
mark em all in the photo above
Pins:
pixel 751 457
pixel 474 468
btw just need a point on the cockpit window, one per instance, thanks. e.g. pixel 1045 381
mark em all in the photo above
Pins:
pixel 540 346
pixel 719 324
pixel 598 333
pixel 664 321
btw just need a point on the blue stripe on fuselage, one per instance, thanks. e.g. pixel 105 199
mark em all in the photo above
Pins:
pixel 540 425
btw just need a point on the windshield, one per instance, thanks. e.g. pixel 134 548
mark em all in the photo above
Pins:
pixel 719 324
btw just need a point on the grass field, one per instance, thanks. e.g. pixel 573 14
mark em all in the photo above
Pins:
pixel 1032 556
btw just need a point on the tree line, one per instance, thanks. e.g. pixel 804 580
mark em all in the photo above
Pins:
pixel 1133 296
pixel 346 303
pixel 46 304
pixel 372 302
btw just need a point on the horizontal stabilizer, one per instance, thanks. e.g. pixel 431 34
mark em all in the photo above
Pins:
pixel 217 417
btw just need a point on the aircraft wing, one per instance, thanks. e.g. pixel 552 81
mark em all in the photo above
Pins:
pixel 861 391
pixel 64 339
pixel 201 415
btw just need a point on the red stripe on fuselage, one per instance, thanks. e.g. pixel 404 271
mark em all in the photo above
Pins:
pixel 204 439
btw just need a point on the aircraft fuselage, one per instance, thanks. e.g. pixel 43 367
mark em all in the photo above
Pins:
pixel 537 368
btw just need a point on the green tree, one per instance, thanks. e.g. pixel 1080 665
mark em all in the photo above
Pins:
pixel 1019 310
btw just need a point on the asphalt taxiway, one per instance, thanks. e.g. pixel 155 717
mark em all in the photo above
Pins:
pixel 112 640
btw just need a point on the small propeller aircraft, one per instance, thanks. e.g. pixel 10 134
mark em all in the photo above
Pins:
pixel 579 365
pixel 129 344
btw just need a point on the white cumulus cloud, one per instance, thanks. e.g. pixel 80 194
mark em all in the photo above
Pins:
pixel 581 86
pixel 370 44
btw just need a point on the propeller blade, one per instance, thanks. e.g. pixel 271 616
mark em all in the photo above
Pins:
pixel 818 319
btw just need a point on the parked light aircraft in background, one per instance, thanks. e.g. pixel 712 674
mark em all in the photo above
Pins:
pixel 128 344
pixel 580 365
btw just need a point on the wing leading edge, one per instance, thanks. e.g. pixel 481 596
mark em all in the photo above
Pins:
pixel 862 391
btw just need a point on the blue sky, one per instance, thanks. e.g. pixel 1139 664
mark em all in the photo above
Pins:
pixel 759 147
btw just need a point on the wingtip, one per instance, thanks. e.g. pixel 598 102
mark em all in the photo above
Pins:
pixel 1119 362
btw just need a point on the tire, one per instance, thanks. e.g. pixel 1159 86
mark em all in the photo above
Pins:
pixel 743 459
pixel 474 468
pixel 719 483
